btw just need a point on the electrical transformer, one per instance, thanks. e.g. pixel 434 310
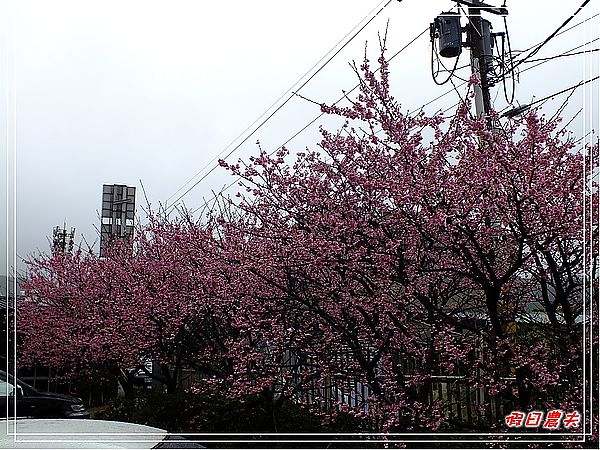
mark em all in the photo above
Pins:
pixel 449 32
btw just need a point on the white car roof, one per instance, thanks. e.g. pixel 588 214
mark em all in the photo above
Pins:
pixel 77 434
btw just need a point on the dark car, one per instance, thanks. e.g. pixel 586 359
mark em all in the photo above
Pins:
pixel 32 403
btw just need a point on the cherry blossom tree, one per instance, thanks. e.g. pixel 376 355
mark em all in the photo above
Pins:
pixel 154 299
pixel 403 250
pixel 73 318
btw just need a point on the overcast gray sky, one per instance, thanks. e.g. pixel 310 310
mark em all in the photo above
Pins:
pixel 110 91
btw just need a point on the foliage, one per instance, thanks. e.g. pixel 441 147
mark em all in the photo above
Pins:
pixel 349 277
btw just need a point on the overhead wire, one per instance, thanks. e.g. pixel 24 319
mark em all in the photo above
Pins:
pixel 548 97
pixel 523 51
pixel 572 89
pixel 556 32
pixel 435 53
pixel 450 77
pixel 293 87
pixel 563 55
pixel 301 130
pixel 434 72
pixel 512 66
pixel 562 32
pixel 581 83
pixel 544 61
pixel 522 71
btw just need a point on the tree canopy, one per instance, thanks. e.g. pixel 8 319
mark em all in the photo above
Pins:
pixel 404 249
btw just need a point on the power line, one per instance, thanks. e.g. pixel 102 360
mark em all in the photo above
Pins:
pixel 301 130
pixel 565 30
pixel 351 90
pixel 555 33
pixel 581 83
pixel 572 88
pixel 293 87
pixel 512 66
pixel 523 108
pixel 543 61
pixel 285 93
pixel 523 51
pixel 549 58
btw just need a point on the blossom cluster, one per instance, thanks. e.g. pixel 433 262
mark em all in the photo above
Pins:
pixel 407 264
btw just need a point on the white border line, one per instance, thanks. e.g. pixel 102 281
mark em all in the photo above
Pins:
pixel 13 122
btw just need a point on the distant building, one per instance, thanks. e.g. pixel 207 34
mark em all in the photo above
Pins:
pixel 118 212
pixel 7 307
pixel 7 297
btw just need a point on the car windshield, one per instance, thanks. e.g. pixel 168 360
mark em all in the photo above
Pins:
pixel 6 388
pixel 8 379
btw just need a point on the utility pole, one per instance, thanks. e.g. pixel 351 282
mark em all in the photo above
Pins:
pixel 475 37
pixel 479 39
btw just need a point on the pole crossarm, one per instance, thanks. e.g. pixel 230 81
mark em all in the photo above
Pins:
pixel 488 8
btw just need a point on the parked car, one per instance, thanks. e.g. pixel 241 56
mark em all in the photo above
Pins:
pixel 86 433
pixel 32 403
